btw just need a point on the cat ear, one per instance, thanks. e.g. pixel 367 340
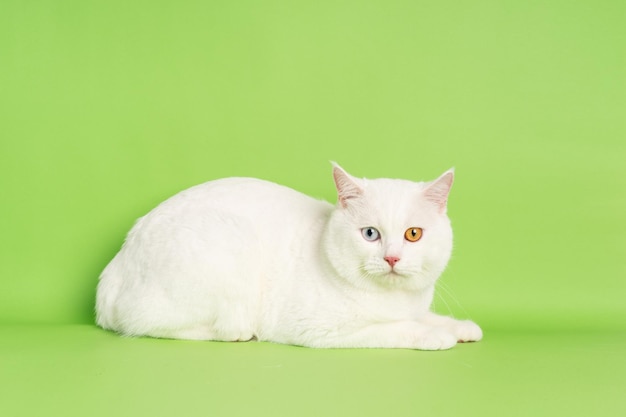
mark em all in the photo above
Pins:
pixel 438 190
pixel 347 186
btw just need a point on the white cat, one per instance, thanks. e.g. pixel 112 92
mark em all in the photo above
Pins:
pixel 239 259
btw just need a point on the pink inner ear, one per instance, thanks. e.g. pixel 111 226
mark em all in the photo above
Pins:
pixel 437 192
pixel 346 186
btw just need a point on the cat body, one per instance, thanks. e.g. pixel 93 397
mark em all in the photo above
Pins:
pixel 239 259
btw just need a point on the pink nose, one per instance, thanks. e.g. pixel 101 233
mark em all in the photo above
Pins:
pixel 391 260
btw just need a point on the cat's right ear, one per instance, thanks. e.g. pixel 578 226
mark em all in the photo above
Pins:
pixel 348 187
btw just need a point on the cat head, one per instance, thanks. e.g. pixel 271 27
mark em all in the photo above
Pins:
pixel 388 233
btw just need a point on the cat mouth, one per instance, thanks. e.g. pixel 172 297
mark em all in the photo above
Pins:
pixel 387 274
pixel 393 274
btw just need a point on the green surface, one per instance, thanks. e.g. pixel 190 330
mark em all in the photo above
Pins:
pixel 109 107
pixel 79 371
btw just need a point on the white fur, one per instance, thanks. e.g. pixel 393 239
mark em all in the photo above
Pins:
pixel 237 259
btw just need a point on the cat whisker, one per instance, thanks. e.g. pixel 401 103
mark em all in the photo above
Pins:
pixel 442 285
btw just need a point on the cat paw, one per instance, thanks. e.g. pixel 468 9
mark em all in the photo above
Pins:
pixel 436 339
pixel 467 331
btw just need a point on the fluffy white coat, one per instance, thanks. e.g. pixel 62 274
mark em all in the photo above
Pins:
pixel 239 259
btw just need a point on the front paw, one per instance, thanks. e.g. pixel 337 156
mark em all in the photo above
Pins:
pixel 467 331
pixel 436 339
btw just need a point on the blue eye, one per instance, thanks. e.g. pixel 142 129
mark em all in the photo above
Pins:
pixel 370 234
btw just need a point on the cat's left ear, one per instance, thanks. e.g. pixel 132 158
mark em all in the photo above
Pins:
pixel 438 190
pixel 347 186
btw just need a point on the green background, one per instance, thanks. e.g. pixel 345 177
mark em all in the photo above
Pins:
pixel 109 107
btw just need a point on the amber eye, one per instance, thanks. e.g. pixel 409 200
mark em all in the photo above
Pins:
pixel 413 234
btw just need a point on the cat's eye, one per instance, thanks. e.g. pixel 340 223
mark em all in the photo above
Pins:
pixel 370 234
pixel 413 234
